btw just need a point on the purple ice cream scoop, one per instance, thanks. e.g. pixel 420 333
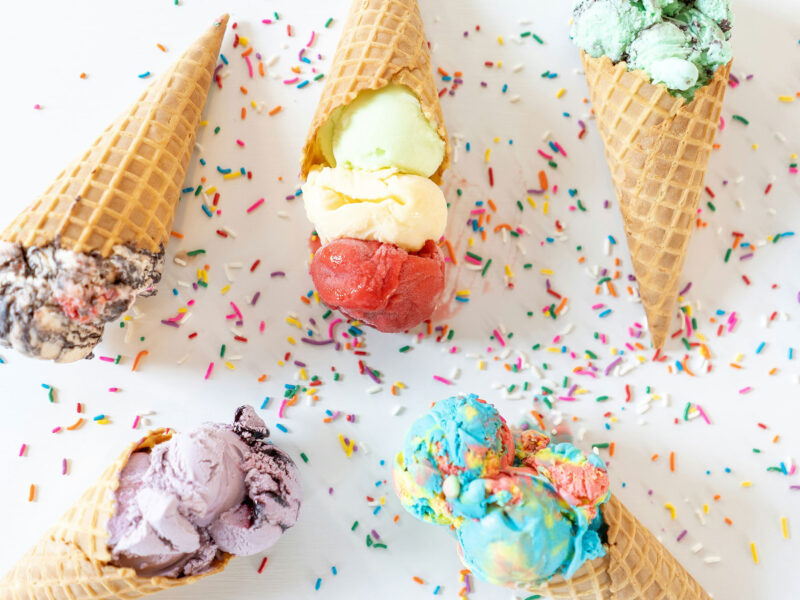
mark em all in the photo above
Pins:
pixel 219 488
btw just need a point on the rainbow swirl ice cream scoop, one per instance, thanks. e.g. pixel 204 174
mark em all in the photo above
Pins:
pixel 523 510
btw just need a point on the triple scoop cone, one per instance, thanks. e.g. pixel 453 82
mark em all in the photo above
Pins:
pixel 383 42
pixel 636 567
pixel 657 147
pixel 124 188
pixel 72 560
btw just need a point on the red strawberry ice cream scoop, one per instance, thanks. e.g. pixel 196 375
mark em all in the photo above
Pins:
pixel 378 283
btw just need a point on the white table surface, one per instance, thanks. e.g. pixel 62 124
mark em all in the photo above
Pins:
pixel 47 45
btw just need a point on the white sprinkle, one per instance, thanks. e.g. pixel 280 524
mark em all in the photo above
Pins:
pixel 780 136
pixel 514 98
pixel 697 547
pixel 517 68
pixel 229 231
pixel 398 410
pixel 455 373
pixel 711 559
pixel 183 359
pixel 179 261
pixel 282 214
pixel 375 389
pixel 581 434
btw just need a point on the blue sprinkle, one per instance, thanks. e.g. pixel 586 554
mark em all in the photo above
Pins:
pixel 554 147
pixel 727 469
pixel 187 190
pixel 281 427
pixel 378 483
pixel 566 114
pixel 174 292
pixel 608 426
pixel 319 583
pixel 612 240
pixel 549 240
pixel 305 60
pixel 505 88
pixel 552 75
pixel 242 171
pixel 203 161
pixel 298 193
pixel 264 404
pixel 206 210
pixel 225 60
pixel 382 462
pixel 2 362
pixel 99 418
pixel 510 142
pixel 144 75
pixel 436 590
pixel 572 193
pixel 223 171
pixel 605 313
pixel 377 510
pixel 678 365
pixel 760 347
pixel 720 312
pixel 46 386
pixel 302 84
pixel 461 299
pixel 467 146
pixel 447 78
pixel 334 571
pixel 791 353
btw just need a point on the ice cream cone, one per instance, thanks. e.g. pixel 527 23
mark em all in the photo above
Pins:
pixel 72 561
pixel 383 42
pixel 636 567
pixel 124 189
pixel 657 147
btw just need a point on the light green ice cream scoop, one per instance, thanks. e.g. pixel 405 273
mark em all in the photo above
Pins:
pixel 607 27
pixel 382 129
pixel 663 51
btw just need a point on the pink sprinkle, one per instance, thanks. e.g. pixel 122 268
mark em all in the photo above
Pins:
pixel 547 156
pixel 208 371
pixel 291 81
pixel 37 107
pixel 113 389
pixel 473 261
pixel 556 339
pixel 238 312
pixel 702 413
pixel 597 306
pixel 22 450
pixel 56 430
pixel 560 149
pixel 499 337
pixel 249 66
pixel 255 205
pixel 721 123
pixel 442 380
pixel 567 398
pixel 311 41
pixel 240 142
pixel 136 422
pixel 745 390
pixel 477 211
pixel 106 358
pixel 266 21
pixel 333 324
pixel 453 350
pixel 261 327
pixel 63 466
pixel 280 412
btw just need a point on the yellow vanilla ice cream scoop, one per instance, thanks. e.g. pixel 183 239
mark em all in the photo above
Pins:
pixel 382 129
pixel 383 205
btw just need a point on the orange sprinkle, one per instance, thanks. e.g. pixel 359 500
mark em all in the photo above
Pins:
pixel 728 521
pixel 75 425
pixel 611 289
pixel 263 377
pixel 138 358
pixel 415 578
pixel 492 205
pixel 672 461
pixel 160 47
pixel 442 72
pixel 775 439
pixel 616 262
pixel 735 366
pixel 488 218
pixel 581 260
pixel 561 305
pixel 717 497
pixel 459 74
pixel 773 370
pixel 31 493
pixel 611 449
pixel 176 234
pixel 430 326
pixel 394 390
pixel 396 518
pixel 83 75
pixel 538 418
pixel 244 113
pixel 483 235
pixel 275 110
pixel 296 70
pixel 630 291
pixel 597 290
pixel 304 299
pixel 502 226
pixel 261 68
pixel 639 346
pixel 543 180
pixel 654 457
pixel 247 52
pixel 451 252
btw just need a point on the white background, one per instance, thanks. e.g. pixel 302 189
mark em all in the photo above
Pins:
pixel 47 45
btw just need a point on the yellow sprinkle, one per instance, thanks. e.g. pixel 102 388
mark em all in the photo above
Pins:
pixel 295 322
pixel 794 155
pixel 400 384
pixel 290 339
pixel 229 365
pixel 509 272
pixel 561 92
pixel 613 419
pixel 785 528
pixel 499 64
pixel 253 104
pixel 641 358
pixel 747 483
pixel 462 293
pixel 500 39
pixel 497 139
pixel 183 309
pixel 243 40
pixel 303 375
pixel 280 363
pixel 481 365
pixel 755 146
pixel 738 357
pixel 471 241
pixel 211 190
pixel 554 350
pixel 348 448
pixel 232 175
pixel 700 336
pixel 203 123
pixel 545 207
pixel 689 310
pixel 531 202
pixel 754 551
pixel 225 289
pixel 383 500
pixel 316 296
pixel 488 154
pixel 614 351
pixel 547 272
pixel 671 510
pixel 103 422
pixel 705 508
pixel 582 391
pixel 786 98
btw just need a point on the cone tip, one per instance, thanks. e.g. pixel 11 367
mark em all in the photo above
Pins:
pixel 222 21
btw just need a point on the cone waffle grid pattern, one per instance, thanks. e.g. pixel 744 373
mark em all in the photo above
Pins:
pixel 125 187
pixel 636 567
pixel 383 41
pixel 657 148
pixel 71 561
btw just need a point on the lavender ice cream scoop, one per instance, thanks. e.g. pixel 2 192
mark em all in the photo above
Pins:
pixel 219 488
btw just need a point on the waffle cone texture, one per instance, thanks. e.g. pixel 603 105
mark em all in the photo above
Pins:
pixel 657 147
pixel 636 567
pixel 72 561
pixel 383 42
pixel 124 188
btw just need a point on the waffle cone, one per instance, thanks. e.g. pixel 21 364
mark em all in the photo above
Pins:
pixel 383 42
pixel 657 147
pixel 124 188
pixel 636 567
pixel 72 561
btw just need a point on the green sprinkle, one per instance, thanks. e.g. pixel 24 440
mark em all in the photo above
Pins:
pixel 527 266
pixel 741 119
pixel 327 314
pixel 369 541
pixel 119 358
pixel 50 396
pixel 602 445
pixel 525 34
pixel 336 376
pixel 728 254
pixel 547 402
pixel 537 38
pixel 603 280
pixel 380 545
pixel 216 129
pixel 519 205
pixel 591 354
pixel 552 164
pixel 459 192
pixel 328 22
pixel 450 334
pixel 566 382
pixel 405 348
pixel 195 252
pixel 601 399
pixel 475 256
pixel 536 346
pixel 546 390
pixel 304 457
pixel 711 206
pixel 581 207
pixel 486 267
pixel 198 190
pixel 222 351
pixel 320 76
pixel 355 524
pixel 202 283
pixel 686 343
pixel 756 450
pixel 534 597
pixel 686 411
